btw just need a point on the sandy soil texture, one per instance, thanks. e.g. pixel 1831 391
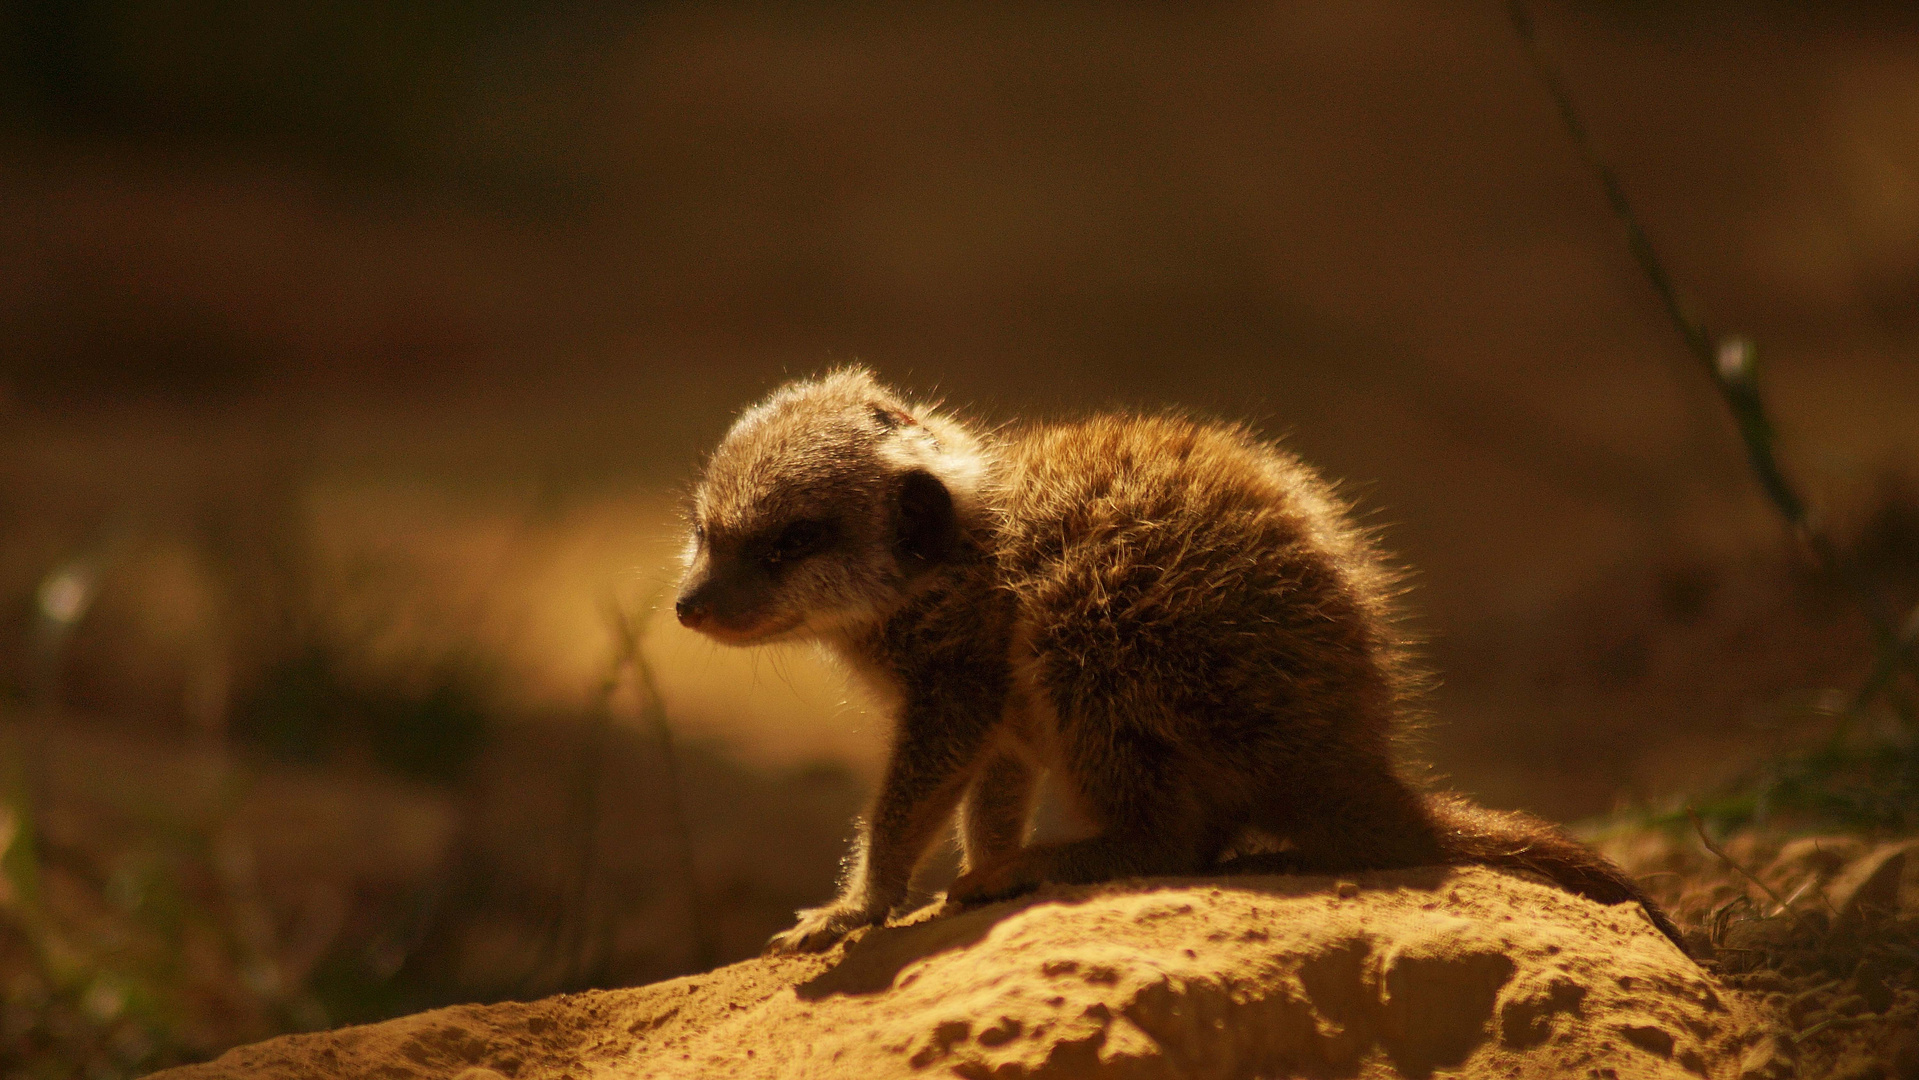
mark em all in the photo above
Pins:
pixel 1385 975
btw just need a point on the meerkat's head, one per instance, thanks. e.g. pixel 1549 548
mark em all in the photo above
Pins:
pixel 822 509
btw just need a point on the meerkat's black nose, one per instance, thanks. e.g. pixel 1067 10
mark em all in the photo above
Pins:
pixel 691 612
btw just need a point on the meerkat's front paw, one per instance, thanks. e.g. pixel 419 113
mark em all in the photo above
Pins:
pixel 820 928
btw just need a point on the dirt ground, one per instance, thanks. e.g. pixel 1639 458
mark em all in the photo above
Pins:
pixel 1386 975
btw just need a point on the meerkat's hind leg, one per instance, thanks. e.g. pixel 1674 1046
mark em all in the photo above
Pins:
pixel 994 815
pixel 1175 840
pixel 1357 816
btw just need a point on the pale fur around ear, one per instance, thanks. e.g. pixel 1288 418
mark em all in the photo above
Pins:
pixel 949 452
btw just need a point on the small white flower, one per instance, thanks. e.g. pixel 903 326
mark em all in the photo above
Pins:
pixel 1735 359
pixel 66 593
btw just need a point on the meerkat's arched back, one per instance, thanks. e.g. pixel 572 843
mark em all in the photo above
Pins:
pixel 1175 619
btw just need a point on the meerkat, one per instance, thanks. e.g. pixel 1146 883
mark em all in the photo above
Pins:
pixel 1177 621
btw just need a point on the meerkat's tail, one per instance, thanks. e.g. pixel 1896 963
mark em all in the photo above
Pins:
pixel 1508 838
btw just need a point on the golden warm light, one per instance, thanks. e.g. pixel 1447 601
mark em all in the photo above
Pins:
pixel 359 358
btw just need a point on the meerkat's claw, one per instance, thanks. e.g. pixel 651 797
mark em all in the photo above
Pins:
pixel 819 929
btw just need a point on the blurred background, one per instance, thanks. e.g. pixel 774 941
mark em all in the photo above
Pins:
pixel 356 354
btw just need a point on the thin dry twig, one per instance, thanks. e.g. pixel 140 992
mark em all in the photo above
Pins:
pixel 1824 900
pixel 566 934
pixel 653 708
pixel 1786 904
pixel 1699 826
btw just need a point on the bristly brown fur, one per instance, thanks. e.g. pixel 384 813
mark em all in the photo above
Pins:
pixel 1176 620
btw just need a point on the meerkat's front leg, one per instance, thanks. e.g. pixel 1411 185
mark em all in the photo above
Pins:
pixel 934 759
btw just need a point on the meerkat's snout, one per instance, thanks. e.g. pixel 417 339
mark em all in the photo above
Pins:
pixel 735 599
pixel 692 609
pixel 772 572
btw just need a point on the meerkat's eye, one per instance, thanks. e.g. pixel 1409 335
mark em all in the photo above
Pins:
pixel 799 539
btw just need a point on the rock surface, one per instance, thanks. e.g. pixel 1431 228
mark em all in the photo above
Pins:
pixel 1389 974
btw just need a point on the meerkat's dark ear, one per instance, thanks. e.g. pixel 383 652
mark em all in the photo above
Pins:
pixel 927 530
pixel 890 418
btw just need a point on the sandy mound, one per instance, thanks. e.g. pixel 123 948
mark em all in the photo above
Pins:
pixel 1392 974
